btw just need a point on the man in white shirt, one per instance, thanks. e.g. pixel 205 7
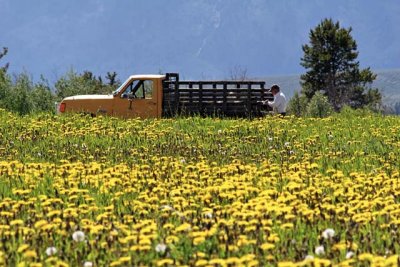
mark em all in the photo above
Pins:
pixel 279 103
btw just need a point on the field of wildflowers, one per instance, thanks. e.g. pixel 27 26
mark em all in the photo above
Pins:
pixel 80 191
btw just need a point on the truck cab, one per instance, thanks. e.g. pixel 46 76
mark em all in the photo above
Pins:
pixel 139 96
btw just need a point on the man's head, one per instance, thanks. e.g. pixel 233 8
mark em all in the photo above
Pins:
pixel 275 89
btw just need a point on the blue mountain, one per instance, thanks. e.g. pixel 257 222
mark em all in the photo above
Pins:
pixel 199 39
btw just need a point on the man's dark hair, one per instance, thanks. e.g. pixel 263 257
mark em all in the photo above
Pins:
pixel 275 87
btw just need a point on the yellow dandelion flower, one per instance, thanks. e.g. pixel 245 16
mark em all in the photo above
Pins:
pixel 273 238
pixel 339 246
pixel 165 262
pixel 125 259
pixel 116 263
pixel 250 228
pixel 171 239
pixel 366 257
pixel 198 240
pixel 22 248
pixel 6 214
pixel 267 246
pixel 168 226
pixel 346 263
pixel 248 257
pixel 201 263
pixel 270 258
pixel 200 254
pixel 40 224
pixel 392 260
pixel 134 248
pixel 183 228
pixel 4 227
pixel 290 216
pixel 30 254
pixel 144 247
pixel 287 226
pixel 233 261
pixel 220 262
pixel 17 222
pixel 54 213
pixel 145 241
pixel 322 262
pixel 286 264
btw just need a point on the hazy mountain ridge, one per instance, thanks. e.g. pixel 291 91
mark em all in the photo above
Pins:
pixel 196 38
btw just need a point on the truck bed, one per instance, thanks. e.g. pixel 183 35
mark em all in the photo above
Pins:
pixel 214 98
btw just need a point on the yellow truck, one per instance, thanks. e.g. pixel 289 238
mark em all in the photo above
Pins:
pixel 157 96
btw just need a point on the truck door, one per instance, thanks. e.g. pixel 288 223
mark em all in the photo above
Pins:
pixel 137 99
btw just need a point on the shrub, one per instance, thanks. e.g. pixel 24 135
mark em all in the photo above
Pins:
pixel 319 106
pixel 297 105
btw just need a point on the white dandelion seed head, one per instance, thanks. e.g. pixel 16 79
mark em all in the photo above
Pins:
pixel 320 250
pixel 309 257
pixel 78 236
pixel 51 251
pixel 349 254
pixel 88 264
pixel 328 233
pixel 208 215
pixel 160 248
pixel 180 214
pixel 166 207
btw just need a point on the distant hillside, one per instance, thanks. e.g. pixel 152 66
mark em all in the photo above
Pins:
pixel 388 81
pixel 195 38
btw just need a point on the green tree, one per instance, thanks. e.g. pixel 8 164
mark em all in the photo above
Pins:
pixel 238 73
pixel 112 78
pixel 5 82
pixel 297 105
pixel 2 54
pixel 396 108
pixel 42 97
pixel 24 97
pixel 319 106
pixel 5 85
pixel 84 84
pixel 18 98
pixel 333 69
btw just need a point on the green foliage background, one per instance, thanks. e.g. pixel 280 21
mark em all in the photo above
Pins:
pixel 23 96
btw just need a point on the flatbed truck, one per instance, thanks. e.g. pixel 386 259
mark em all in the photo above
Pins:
pixel 158 96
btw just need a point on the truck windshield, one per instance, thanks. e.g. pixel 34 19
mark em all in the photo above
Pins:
pixel 141 89
pixel 120 88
